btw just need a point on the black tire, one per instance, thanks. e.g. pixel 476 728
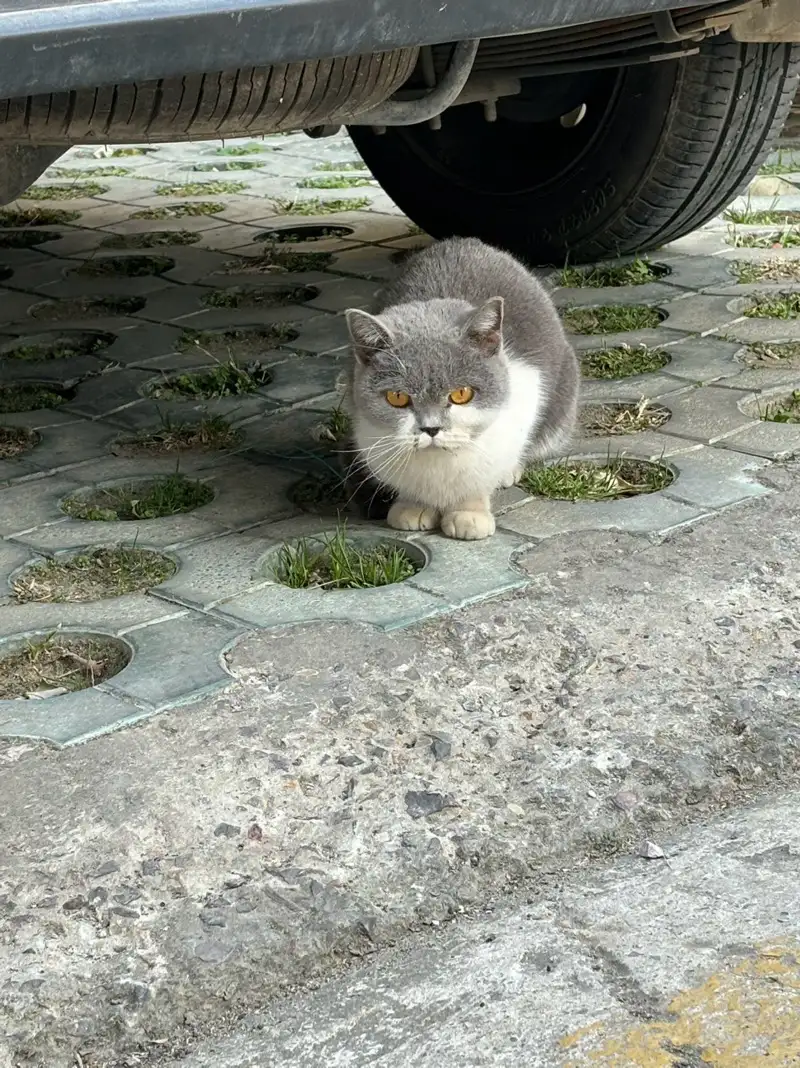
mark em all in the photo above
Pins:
pixel 662 149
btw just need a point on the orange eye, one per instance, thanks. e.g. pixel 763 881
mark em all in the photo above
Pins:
pixel 461 396
pixel 398 400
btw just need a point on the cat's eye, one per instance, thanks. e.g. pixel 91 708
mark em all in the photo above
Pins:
pixel 461 396
pixel 397 399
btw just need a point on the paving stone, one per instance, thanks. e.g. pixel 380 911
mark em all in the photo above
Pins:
pixel 373 262
pixel 714 478
pixel 339 294
pixel 703 360
pixel 694 272
pixel 218 569
pixel 775 441
pixel 655 293
pixel 655 386
pixel 304 378
pixel 749 330
pixel 463 572
pixel 700 314
pixel 707 414
pixel 647 444
pixel 72 718
pixel 69 445
pixel 764 379
pixel 26 506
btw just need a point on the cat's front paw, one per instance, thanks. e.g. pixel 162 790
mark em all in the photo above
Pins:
pixel 404 516
pixel 512 478
pixel 468 526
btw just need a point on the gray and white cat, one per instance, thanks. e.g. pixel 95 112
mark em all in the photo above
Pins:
pixel 463 377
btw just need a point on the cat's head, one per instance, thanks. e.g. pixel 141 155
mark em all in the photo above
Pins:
pixel 433 374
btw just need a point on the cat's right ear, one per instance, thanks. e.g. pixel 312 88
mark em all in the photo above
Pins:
pixel 368 334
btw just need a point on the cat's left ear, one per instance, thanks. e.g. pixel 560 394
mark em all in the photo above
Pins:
pixel 367 333
pixel 485 327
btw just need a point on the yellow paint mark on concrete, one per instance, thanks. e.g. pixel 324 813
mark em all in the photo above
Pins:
pixel 744 1017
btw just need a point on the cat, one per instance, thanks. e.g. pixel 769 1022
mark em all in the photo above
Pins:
pixel 463 377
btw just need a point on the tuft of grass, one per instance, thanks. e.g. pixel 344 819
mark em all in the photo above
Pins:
pixel 336 563
pixel 181 211
pixel 338 181
pixel 227 379
pixel 238 342
pixel 636 273
pixel 88 172
pixel 250 149
pixel 612 419
pixel 210 434
pixel 275 260
pixel 770 217
pixel 344 165
pixel 62 662
pixel 335 427
pixel 124 267
pixel 610 318
pixel 770 353
pixel 22 217
pixel 74 191
pixel 782 165
pixel 228 165
pixel 622 361
pixel 200 189
pixel 786 410
pixel 149 499
pixel 14 440
pixel 61 347
pixel 294 235
pixel 584 480
pixel 92 576
pixel 30 398
pixel 273 297
pixel 123 153
pixel 777 306
pixel 27 238
pixel 316 206
pixel 789 237
pixel 768 271
pixel 154 239
pixel 86 308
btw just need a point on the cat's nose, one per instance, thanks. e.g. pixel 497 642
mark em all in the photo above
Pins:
pixel 432 430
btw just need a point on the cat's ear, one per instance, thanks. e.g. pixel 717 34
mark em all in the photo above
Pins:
pixel 367 333
pixel 485 326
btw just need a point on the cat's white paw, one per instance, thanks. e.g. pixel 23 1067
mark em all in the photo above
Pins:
pixel 512 478
pixel 403 516
pixel 468 526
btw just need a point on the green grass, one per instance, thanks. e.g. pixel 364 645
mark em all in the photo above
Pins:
pixel 66 662
pixel 123 153
pixel 200 189
pixel 782 165
pixel 336 563
pixel 275 297
pixel 768 271
pixel 344 165
pixel 622 361
pixel 62 347
pixel 88 172
pixel 341 181
pixel 27 238
pixel 86 308
pixel 228 165
pixel 337 425
pixel 636 273
pixel 92 575
pixel 151 499
pixel 21 217
pixel 181 211
pixel 783 411
pixel 15 440
pixel 787 238
pixel 779 306
pixel 316 206
pixel 227 379
pixel 250 149
pixel 238 342
pixel 583 480
pixel 29 398
pixel 274 260
pixel 74 191
pixel 210 434
pixel 611 420
pixel 771 217
pixel 154 239
pixel 124 267
pixel 611 318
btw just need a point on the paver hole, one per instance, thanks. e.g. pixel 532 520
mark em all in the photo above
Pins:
pixel 153 239
pixel 14 440
pixel 343 165
pixel 228 165
pixel 133 150
pixel 181 211
pixel 210 434
pixel 92 575
pixel 252 148
pixel 55 311
pixel 200 189
pixel 139 500
pixel 57 346
pixel 603 420
pixel 32 397
pixel 228 379
pixel 23 217
pixel 278 261
pixel 259 297
pixel 317 206
pixel 336 561
pixel 73 191
pixel 336 181
pixel 124 267
pixel 636 273
pixel 27 238
pixel 5 273
pixel 772 354
pixel 593 480
pixel 622 361
pixel 89 172
pixel 769 271
pixel 746 216
pixel 611 318
pixel 784 410
pixel 773 306
pixel 239 342
pixel 49 665
pixel 788 238
pixel 293 235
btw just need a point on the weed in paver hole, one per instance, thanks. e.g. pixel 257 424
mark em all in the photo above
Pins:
pixel 75 191
pixel 788 238
pixel 784 164
pixel 227 379
pixel 32 398
pixel 344 165
pixel 341 181
pixel 334 562
pixel 55 311
pixel 15 440
pixel 747 217
pixel 154 239
pixel 770 353
pixel 61 663
pixel 317 206
pixel 5 272
pixel 238 343
pixel 588 480
pixel 181 211
pixel 622 361
pixel 144 499
pixel 292 235
pixel 122 153
pixel 92 575
pixel 210 434
pixel 52 346
pixel 200 189
pixel 611 318
pixel 265 297
pixel 786 410
pixel 27 238
pixel 335 427
pixel 88 172
pixel 612 419
pixel 768 271
pixel 21 217
pixel 278 261
pixel 250 149
pixel 124 267
pixel 636 273
pixel 777 306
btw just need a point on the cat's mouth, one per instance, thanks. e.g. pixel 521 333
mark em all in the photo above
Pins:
pixel 425 441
